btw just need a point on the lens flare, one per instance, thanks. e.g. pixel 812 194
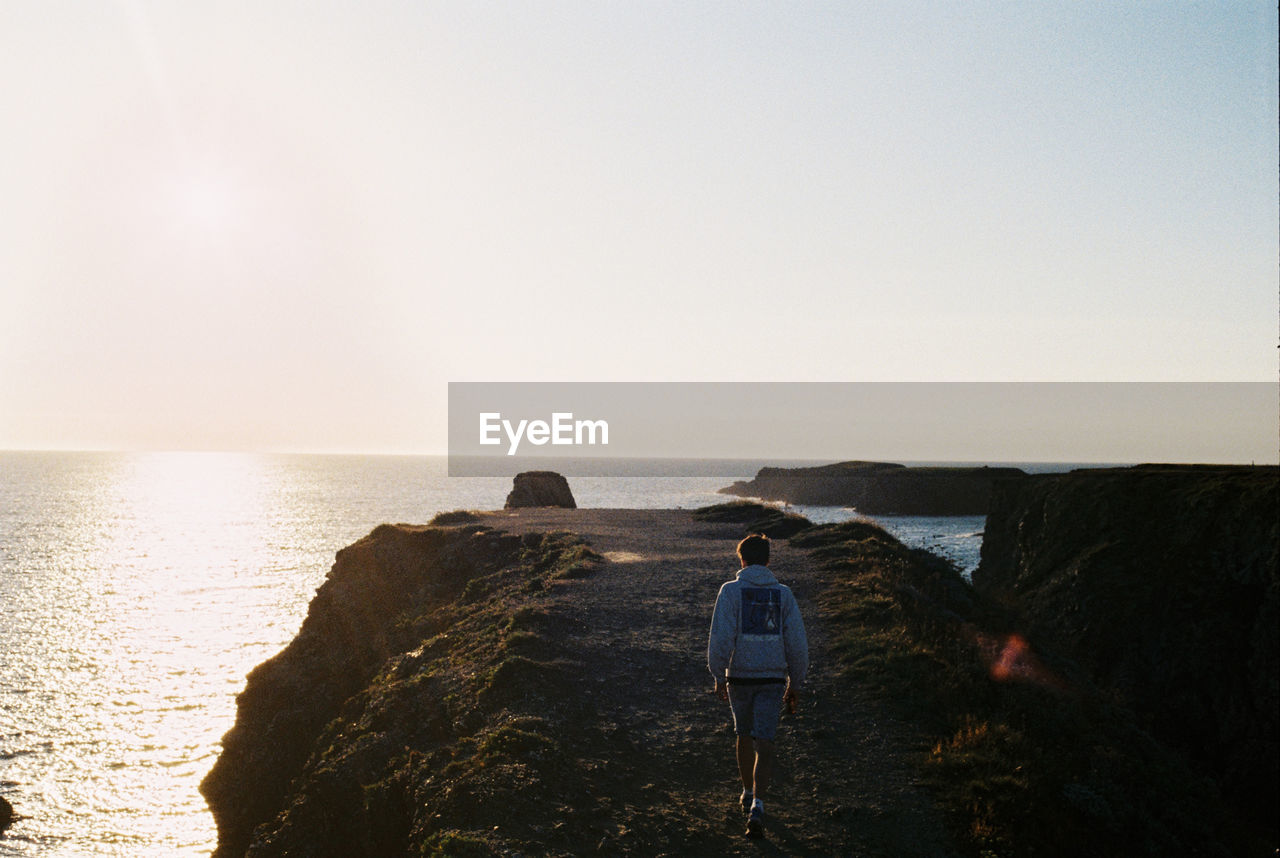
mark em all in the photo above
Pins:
pixel 1013 660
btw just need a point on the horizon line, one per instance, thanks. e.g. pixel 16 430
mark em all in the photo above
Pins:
pixel 741 458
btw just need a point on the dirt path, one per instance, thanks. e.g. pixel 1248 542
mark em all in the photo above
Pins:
pixel 846 780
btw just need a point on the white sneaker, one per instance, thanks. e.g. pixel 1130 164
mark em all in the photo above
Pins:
pixel 755 821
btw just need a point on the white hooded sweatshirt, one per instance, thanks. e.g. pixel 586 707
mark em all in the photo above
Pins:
pixel 756 630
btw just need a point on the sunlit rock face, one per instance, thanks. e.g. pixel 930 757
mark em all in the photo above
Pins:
pixel 540 488
pixel 1162 582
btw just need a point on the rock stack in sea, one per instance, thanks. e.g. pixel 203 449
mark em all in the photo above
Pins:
pixel 540 488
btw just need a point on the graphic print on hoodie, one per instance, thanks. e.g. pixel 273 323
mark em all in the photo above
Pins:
pixel 761 611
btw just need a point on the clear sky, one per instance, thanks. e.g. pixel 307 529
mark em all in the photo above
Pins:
pixel 287 225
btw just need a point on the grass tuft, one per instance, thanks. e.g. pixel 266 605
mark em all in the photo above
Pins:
pixel 757 518
pixel 457 516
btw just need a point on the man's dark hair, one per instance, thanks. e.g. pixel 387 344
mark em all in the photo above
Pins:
pixel 754 550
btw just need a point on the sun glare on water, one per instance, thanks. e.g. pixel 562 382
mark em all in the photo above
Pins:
pixel 161 602
pixel 165 652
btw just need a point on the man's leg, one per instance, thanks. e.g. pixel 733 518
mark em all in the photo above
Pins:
pixel 746 761
pixel 762 774
pixel 740 701
pixel 768 705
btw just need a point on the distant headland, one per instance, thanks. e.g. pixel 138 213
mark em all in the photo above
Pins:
pixel 880 487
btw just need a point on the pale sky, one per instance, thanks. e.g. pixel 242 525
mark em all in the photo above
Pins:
pixel 287 226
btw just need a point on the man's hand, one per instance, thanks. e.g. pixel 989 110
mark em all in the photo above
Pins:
pixel 792 698
pixel 722 689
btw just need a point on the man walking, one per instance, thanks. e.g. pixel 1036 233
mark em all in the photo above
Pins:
pixel 758 655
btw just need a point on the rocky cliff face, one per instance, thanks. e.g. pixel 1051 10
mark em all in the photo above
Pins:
pixel 1161 582
pixel 879 487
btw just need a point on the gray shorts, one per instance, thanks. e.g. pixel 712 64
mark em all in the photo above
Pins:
pixel 756 709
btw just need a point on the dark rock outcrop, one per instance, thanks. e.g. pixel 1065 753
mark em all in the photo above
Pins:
pixel 1161 582
pixel 540 488
pixel 879 487
pixel 6 814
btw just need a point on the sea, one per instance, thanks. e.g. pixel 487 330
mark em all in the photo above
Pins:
pixel 137 590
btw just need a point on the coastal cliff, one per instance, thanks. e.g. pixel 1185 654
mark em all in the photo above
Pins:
pixel 491 685
pixel 1161 582
pixel 879 487
pixel 319 758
